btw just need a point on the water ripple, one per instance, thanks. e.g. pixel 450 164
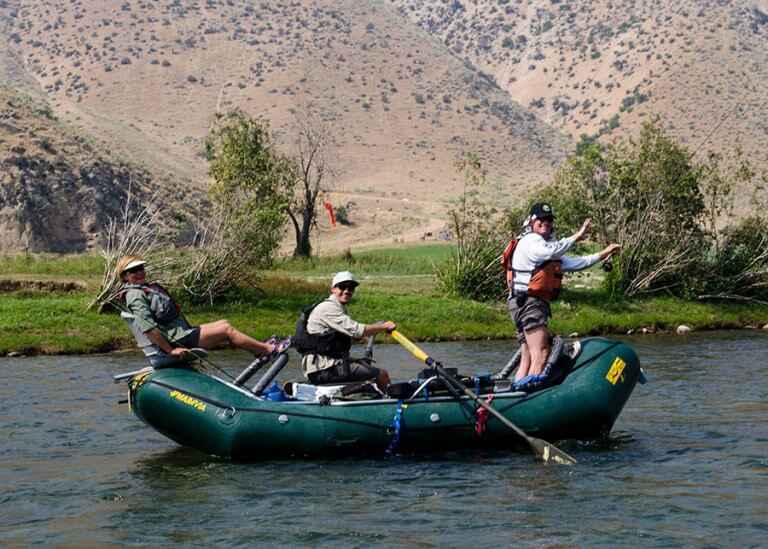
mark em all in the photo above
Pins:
pixel 685 465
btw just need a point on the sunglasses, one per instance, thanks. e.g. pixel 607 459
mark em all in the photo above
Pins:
pixel 345 287
pixel 134 269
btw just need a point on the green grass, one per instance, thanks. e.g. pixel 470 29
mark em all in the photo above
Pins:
pixel 594 312
pixel 416 260
pixel 398 270
pixel 51 266
pixel 397 285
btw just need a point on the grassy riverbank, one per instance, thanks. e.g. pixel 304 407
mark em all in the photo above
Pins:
pixel 49 317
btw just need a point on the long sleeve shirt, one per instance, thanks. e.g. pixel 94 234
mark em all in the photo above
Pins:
pixel 140 305
pixel 533 250
pixel 329 316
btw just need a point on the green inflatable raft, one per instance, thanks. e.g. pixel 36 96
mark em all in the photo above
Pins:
pixel 217 417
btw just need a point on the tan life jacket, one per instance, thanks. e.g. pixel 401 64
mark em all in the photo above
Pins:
pixel 546 279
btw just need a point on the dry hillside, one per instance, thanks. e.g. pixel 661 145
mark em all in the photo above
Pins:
pixel 58 189
pixel 600 66
pixel 147 76
pixel 406 85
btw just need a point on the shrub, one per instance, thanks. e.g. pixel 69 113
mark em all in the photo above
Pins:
pixel 341 214
pixel 473 269
pixel 250 194
pixel 740 266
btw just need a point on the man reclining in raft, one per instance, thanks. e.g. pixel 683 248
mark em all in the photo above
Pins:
pixel 159 317
pixel 324 336
pixel 535 262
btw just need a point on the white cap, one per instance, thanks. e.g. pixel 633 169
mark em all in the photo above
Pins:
pixel 344 276
pixel 133 265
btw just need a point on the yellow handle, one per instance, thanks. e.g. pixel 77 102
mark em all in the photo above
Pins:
pixel 408 344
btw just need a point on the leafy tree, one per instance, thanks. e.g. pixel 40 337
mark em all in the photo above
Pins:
pixel 668 211
pixel 644 193
pixel 250 193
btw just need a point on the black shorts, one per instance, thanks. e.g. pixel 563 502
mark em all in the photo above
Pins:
pixel 343 372
pixel 531 313
pixel 190 340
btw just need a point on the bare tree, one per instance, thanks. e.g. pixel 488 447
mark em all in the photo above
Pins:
pixel 142 231
pixel 315 159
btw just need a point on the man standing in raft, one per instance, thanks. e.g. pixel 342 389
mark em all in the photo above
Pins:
pixel 324 336
pixel 535 263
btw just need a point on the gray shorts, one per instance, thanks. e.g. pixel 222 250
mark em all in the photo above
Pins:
pixel 531 313
pixel 343 372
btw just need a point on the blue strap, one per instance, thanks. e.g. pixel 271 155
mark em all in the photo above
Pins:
pixel 534 382
pixel 397 425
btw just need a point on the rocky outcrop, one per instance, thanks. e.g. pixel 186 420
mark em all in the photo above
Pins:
pixel 58 191
pixel 58 207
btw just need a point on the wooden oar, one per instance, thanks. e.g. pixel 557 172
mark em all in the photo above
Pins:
pixel 541 448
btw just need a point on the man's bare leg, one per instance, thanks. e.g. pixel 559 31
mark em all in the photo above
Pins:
pixel 538 345
pixel 525 362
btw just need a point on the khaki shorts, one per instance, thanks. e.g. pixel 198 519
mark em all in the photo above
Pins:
pixel 531 313
pixel 343 372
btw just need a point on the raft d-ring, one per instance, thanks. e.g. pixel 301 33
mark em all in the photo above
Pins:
pixel 227 415
pixel 390 430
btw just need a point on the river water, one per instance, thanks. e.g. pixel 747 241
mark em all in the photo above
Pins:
pixel 685 465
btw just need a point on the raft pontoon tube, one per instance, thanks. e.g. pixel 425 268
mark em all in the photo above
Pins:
pixel 220 418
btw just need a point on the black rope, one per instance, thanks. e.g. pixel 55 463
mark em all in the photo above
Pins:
pixel 297 414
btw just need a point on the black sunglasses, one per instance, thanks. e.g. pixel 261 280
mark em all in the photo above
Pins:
pixel 134 269
pixel 344 287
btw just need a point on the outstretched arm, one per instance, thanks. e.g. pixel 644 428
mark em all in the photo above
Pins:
pixel 579 263
pixel 373 329
pixel 581 234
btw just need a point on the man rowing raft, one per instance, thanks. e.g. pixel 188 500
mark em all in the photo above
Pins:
pixel 324 337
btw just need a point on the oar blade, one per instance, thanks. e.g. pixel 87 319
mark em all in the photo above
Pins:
pixel 548 452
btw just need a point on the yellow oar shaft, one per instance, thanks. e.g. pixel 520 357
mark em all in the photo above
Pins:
pixel 541 448
pixel 408 344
